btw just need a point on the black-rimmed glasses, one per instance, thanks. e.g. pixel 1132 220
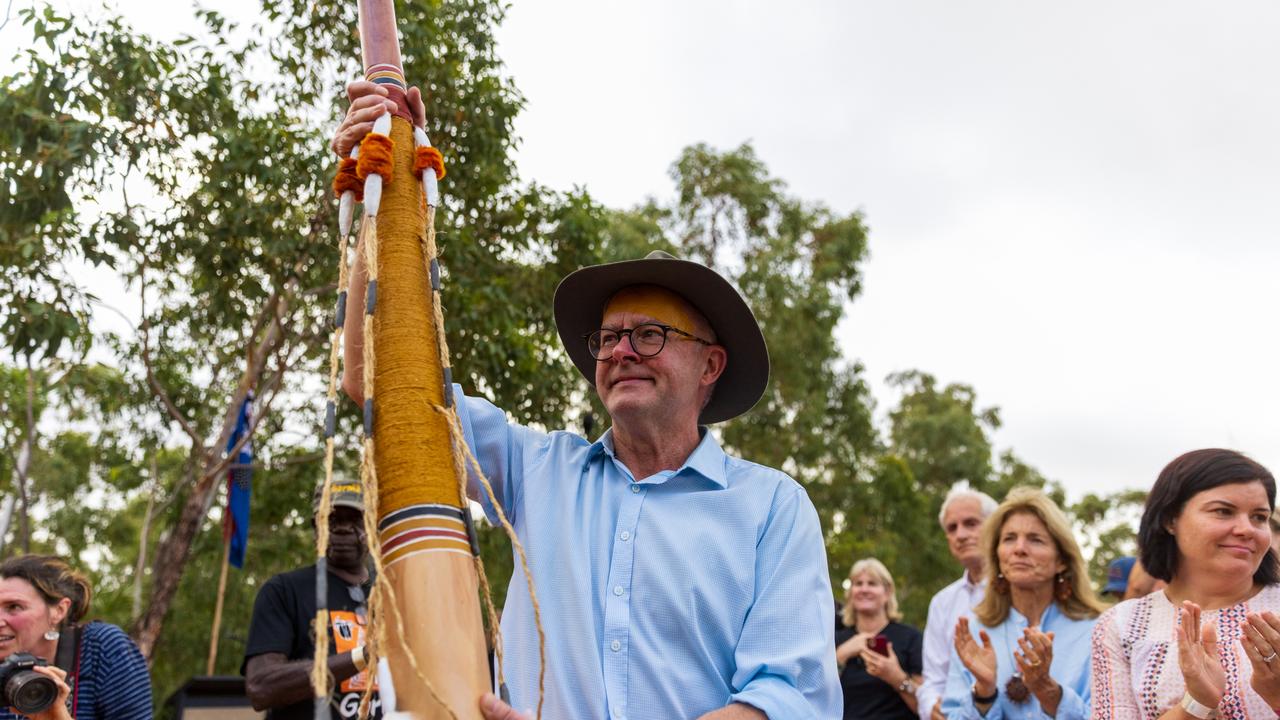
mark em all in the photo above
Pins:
pixel 647 339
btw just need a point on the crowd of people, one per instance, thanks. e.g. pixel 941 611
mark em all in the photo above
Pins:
pixel 1194 631
pixel 677 581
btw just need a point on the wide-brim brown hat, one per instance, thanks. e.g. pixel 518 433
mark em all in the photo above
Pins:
pixel 580 300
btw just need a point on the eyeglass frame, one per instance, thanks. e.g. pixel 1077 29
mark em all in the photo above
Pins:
pixel 627 333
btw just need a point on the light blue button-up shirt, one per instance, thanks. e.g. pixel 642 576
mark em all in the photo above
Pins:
pixel 1072 653
pixel 663 597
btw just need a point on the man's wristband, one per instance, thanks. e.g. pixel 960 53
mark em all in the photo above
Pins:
pixel 357 658
pixel 1195 709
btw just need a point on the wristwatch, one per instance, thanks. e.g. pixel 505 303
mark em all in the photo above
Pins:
pixel 1195 709
pixel 907 686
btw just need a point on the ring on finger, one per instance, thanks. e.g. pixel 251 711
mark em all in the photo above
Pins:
pixel 1268 659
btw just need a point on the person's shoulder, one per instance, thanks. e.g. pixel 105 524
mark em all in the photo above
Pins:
pixel 1126 612
pixel 947 593
pixel 106 645
pixel 904 630
pixel 1268 598
pixel 562 440
pixel 762 477
pixel 292 578
pixel 106 635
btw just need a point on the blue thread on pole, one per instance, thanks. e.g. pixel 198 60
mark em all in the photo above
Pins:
pixel 330 419
pixel 340 315
pixel 368 417
pixel 435 274
pixel 448 387
pixel 471 530
pixel 371 297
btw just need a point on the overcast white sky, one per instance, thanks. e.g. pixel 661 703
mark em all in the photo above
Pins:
pixel 1072 205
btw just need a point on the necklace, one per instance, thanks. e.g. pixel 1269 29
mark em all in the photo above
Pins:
pixel 1015 689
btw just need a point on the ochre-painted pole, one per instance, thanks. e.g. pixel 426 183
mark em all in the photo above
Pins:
pixel 433 630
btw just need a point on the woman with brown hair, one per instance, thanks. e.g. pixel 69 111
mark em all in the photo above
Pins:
pixel 1036 619
pixel 1207 645
pixel 96 669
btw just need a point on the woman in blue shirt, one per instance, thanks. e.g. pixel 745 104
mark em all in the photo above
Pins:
pixel 1030 658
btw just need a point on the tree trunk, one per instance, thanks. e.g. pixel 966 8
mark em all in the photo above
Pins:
pixel 175 547
pixel 140 567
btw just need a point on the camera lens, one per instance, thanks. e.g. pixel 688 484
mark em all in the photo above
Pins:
pixel 30 692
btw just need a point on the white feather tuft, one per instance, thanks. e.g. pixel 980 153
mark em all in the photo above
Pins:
pixel 346 208
pixel 372 194
pixel 431 187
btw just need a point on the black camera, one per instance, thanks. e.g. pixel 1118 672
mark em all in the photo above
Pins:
pixel 24 689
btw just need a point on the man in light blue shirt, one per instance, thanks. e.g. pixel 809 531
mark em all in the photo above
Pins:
pixel 674 580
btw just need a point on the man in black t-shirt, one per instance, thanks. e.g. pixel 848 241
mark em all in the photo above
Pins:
pixel 279 655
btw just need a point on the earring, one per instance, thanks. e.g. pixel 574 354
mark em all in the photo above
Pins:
pixel 1002 585
pixel 1063 590
pixel 52 635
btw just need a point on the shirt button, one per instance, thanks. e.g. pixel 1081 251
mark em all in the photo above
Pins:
pixel 626 535
pixel 635 488
pixel 617 589
pixel 615 646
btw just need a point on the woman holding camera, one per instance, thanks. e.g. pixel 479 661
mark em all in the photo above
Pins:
pixel 880 658
pixel 94 671
pixel 1030 658
pixel 1208 645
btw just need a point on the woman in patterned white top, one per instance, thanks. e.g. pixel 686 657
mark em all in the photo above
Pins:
pixel 1184 652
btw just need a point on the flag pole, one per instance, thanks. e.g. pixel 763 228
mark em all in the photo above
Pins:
pixel 217 608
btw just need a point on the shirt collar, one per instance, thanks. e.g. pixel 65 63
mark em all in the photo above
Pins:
pixel 707 459
pixel 1051 614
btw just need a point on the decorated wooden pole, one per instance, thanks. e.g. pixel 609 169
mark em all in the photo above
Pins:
pixel 428 615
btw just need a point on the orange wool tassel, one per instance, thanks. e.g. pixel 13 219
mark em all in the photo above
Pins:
pixel 346 179
pixel 428 157
pixel 375 157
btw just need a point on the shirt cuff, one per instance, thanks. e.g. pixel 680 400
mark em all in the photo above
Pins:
pixel 969 710
pixel 776 698
pixel 1070 707
pixel 925 697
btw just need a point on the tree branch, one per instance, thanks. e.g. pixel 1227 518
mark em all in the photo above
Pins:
pixel 156 388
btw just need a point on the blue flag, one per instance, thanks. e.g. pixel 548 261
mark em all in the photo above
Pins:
pixel 235 525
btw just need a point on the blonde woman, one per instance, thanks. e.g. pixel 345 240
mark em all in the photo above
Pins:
pixel 880 657
pixel 1030 657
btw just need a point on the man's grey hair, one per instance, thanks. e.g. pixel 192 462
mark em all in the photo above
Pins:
pixel 960 491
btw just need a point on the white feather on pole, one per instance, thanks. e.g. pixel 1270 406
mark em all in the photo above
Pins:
pixel 373 183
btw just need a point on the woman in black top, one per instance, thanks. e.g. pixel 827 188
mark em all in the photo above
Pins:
pixel 880 658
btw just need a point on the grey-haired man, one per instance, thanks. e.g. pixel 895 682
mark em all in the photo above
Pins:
pixel 961 517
